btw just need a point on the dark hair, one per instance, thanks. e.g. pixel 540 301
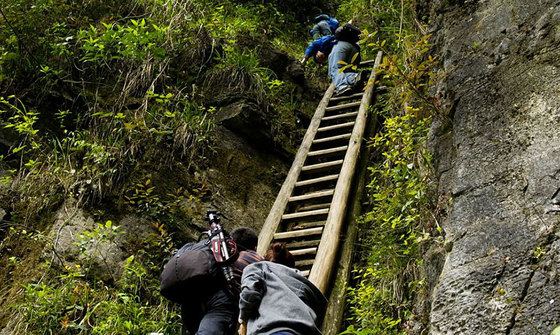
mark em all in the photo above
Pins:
pixel 317 60
pixel 245 238
pixel 278 253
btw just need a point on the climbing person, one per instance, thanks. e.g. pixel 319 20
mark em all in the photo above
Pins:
pixel 319 49
pixel 324 26
pixel 345 51
pixel 277 300
pixel 247 241
pixel 212 307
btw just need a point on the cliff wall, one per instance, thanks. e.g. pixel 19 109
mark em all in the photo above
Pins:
pixel 500 165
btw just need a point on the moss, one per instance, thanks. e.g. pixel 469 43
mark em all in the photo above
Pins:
pixel 20 256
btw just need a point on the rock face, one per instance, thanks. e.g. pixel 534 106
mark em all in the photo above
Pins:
pixel 105 258
pixel 500 163
pixel 244 181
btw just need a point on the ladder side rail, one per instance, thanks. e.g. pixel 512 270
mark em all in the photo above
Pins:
pixel 275 215
pixel 326 253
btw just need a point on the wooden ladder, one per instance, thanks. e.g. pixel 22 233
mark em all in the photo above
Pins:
pixel 308 214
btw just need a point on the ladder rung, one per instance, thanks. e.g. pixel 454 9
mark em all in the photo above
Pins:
pixel 347 97
pixel 322 165
pixel 316 206
pixel 332 138
pixel 304 214
pixel 317 180
pixel 305 262
pixel 298 233
pixel 312 195
pixel 339 116
pixel 302 244
pixel 305 225
pixel 367 62
pixel 305 273
pixel 336 126
pixel 308 251
pixel 327 151
pixel 345 106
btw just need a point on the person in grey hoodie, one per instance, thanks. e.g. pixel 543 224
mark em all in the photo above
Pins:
pixel 276 299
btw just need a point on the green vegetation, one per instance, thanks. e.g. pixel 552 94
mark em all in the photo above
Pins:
pixel 99 100
pixel 400 218
pixel 105 87
pixel 72 302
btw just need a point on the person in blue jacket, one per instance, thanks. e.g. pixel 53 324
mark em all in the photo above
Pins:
pixel 324 26
pixel 319 49
pixel 338 50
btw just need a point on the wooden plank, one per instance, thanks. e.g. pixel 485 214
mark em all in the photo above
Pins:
pixel 305 225
pixel 332 138
pixel 336 126
pixel 315 206
pixel 300 215
pixel 305 273
pixel 337 307
pixel 340 116
pixel 327 151
pixel 275 215
pixel 302 244
pixel 322 165
pixel 298 233
pixel 300 252
pixel 313 195
pixel 317 180
pixel 305 262
pixel 322 269
pixel 368 62
pixel 347 97
pixel 345 106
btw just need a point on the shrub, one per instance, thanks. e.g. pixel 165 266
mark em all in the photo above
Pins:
pixel 70 303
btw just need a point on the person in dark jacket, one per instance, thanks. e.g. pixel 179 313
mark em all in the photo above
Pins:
pixel 216 312
pixel 324 26
pixel 276 299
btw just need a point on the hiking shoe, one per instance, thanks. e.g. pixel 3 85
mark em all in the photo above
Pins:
pixel 359 77
pixel 342 90
pixel 358 82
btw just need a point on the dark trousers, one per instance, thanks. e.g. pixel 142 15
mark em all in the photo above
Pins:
pixel 216 314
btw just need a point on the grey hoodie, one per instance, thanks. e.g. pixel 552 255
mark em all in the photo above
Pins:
pixel 277 298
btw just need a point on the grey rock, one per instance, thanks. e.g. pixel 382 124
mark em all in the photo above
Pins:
pixel 9 329
pixel 244 181
pixel 500 163
pixel 104 258
pixel 246 119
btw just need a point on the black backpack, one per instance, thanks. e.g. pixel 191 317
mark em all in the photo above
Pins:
pixel 191 273
pixel 348 33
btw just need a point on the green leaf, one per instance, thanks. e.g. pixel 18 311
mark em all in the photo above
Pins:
pixel 355 57
pixel 18 149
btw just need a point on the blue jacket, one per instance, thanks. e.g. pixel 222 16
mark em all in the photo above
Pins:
pixel 323 44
